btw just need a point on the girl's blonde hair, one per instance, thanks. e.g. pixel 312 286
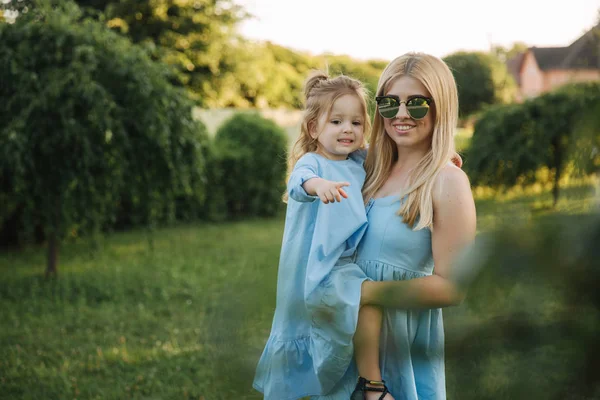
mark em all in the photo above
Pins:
pixel 320 92
pixel 435 75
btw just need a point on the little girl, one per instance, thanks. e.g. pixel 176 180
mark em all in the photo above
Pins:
pixel 318 290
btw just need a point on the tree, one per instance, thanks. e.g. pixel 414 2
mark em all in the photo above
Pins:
pixel 503 147
pixel 482 80
pixel 560 114
pixel 219 68
pixel 193 36
pixel 268 83
pixel 504 54
pixel 511 142
pixel 197 39
pixel 87 119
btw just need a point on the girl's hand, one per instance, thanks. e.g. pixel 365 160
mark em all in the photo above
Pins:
pixel 330 192
pixel 327 191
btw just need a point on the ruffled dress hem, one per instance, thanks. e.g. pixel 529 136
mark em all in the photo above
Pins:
pixel 292 368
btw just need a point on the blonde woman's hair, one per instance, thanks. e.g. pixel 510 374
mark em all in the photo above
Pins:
pixel 320 92
pixel 417 209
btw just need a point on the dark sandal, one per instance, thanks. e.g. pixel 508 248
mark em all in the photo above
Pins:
pixel 361 388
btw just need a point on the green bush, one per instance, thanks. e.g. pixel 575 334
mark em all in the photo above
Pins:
pixel 215 206
pixel 567 121
pixel 252 166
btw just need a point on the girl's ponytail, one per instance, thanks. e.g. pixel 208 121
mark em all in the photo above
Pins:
pixel 313 81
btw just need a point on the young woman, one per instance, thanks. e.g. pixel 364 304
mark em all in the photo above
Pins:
pixel 421 215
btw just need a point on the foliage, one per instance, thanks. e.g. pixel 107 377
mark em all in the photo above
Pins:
pixel 252 158
pixel 503 147
pixel 197 39
pixel 268 83
pixel 482 80
pixel 512 142
pixel 220 69
pixel 193 36
pixel 504 53
pixel 89 121
pixel 568 119
pixel 539 307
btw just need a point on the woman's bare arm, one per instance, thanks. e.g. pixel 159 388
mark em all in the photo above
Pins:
pixel 454 227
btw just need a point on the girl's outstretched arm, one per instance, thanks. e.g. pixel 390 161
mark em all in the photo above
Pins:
pixel 327 191
pixel 454 227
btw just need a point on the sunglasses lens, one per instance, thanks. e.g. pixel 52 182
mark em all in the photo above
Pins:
pixel 388 107
pixel 417 107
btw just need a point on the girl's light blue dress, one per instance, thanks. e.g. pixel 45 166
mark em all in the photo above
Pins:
pixel 412 342
pixel 318 288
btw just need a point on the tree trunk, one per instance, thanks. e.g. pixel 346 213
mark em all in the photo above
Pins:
pixel 555 187
pixel 557 170
pixel 51 267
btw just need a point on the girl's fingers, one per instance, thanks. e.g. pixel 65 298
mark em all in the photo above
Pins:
pixel 336 195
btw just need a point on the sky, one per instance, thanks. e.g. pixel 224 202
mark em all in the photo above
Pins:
pixel 384 29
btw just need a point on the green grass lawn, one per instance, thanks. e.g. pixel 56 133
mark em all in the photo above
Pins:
pixel 188 320
pixel 184 321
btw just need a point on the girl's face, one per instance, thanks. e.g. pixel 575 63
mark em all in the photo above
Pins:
pixel 402 129
pixel 341 132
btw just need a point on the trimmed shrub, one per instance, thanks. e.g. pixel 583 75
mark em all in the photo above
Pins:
pixel 251 152
pixel 215 206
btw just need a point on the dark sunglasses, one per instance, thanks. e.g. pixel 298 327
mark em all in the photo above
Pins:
pixel 417 106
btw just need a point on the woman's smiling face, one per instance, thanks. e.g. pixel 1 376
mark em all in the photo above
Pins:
pixel 402 129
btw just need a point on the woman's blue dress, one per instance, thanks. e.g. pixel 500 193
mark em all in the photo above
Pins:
pixel 318 289
pixel 412 342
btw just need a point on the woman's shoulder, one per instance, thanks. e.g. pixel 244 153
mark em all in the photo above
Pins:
pixel 450 183
pixel 451 171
